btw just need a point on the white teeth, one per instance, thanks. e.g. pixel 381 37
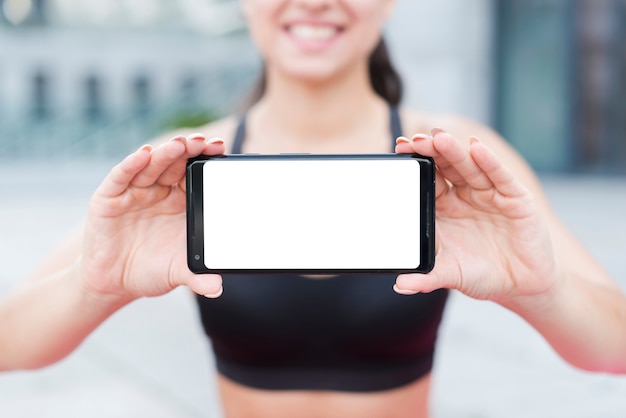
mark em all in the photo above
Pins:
pixel 310 32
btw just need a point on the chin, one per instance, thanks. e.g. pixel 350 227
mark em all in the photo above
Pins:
pixel 315 72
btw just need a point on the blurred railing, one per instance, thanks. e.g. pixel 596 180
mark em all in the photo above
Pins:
pixel 110 134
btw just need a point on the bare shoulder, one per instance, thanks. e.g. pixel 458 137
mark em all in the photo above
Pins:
pixel 222 128
pixel 462 128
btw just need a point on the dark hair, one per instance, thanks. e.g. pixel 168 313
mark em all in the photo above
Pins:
pixel 385 80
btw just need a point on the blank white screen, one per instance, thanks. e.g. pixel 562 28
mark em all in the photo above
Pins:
pixel 312 214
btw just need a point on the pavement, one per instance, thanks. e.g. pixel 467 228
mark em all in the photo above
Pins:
pixel 151 358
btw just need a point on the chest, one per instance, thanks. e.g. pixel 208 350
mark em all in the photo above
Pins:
pixel 278 317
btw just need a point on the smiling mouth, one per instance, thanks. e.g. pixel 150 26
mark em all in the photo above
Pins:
pixel 313 32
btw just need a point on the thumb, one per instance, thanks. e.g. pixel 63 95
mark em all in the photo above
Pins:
pixel 409 284
pixel 209 285
pixel 445 275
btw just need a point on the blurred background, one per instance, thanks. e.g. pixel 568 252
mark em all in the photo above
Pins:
pixel 84 82
pixel 97 78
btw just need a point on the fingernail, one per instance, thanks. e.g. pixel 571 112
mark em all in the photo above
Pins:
pixel 474 140
pixel 178 139
pixel 146 147
pixel 216 294
pixel 215 141
pixel 420 137
pixel 197 137
pixel 401 140
pixel 404 292
pixel 436 131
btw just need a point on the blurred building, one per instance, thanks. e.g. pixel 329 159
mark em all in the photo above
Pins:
pixel 560 92
pixel 102 76
pixel 89 76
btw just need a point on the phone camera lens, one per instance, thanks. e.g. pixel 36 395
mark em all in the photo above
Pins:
pixel 197 257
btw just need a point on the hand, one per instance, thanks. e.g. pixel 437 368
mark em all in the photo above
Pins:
pixel 492 242
pixel 135 236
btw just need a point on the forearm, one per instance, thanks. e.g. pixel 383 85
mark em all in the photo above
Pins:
pixel 584 321
pixel 45 320
pixel 112 260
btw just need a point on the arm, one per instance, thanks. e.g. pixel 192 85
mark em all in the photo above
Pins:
pixel 132 245
pixel 44 320
pixel 499 240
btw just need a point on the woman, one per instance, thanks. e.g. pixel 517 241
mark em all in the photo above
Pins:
pixel 366 352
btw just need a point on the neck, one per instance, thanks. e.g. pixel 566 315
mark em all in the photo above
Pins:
pixel 314 111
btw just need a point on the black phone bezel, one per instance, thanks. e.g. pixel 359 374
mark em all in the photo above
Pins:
pixel 195 226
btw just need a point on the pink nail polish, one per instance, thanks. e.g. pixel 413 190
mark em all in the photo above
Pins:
pixel 215 141
pixel 404 292
pixel 436 131
pixel 420 137
pixel 215 295
pixel 178 139
pixel 197 137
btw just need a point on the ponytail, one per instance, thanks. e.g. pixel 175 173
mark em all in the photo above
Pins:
pixel 384 78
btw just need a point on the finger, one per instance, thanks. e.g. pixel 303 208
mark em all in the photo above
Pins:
pixel 460 159
pixel 214 146
pixel 194 145
pixel 410 284
pixel 498 175
pixel 403 146
pixel 425 145
pixel 444 165
pixel 445 275
pixel 418 144
pixel 162 158
pixel 209 285
pixel 422 144
pixel 120 177
pixel 198 144
pixel 456 163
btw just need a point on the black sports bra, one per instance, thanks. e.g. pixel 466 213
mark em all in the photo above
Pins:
pixel 346 333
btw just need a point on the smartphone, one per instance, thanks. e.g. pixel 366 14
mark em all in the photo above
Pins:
pixel 311 214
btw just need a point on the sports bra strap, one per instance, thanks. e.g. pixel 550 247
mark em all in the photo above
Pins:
pixel 240 135
pixel 395 125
